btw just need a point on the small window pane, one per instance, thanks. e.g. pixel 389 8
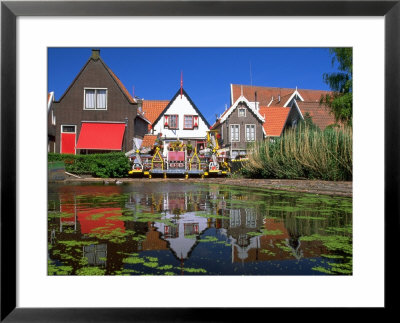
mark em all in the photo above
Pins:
pixel 173 122
pixel 101 99
pixel 68 128
pixel 90 99
pixel 250 132
pixel 235 133
pixel 188 122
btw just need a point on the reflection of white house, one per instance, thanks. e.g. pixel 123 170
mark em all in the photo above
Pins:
pixel 182 120
pixel 181 235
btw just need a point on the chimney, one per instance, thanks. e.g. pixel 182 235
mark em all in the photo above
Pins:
pixel 279 98
pixel 95 54
pixel 139 104
pixel 255 100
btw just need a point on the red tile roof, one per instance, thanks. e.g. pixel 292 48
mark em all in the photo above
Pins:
pixel 265 94
pixel 148 141
pixel 153 108
pixel 320 114
pixel 275 119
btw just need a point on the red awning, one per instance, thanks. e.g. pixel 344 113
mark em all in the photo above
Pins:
pixel 101 136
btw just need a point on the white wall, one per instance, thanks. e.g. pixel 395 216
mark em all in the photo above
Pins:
pixel 181 107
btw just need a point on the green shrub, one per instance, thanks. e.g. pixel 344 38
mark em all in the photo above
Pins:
pixel 114 165
pixel 304 152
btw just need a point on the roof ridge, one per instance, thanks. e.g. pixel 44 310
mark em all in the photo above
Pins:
pixel 282 88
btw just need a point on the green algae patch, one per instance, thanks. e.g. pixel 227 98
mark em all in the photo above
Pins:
pixel 53 270
pixel 194 270
pixel 322 270
pixel 332 256
pixel 208 239
pixel 151 264
pixel 310 218
pixel 283 247
pixel 268 252
pixel 133 260
pixel 75 243
pixel 91 271
pixel 211 216
pixel 191 236
pixel 276 232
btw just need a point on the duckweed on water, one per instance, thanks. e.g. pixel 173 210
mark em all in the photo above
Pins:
pixel 151 264
pixel 193 270
pixel 237 215
pixel 90 271
pixel 53 270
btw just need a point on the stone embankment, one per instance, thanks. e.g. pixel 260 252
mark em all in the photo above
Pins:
pixel 304 186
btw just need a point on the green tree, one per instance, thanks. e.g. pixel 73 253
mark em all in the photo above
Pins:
pixel 340 101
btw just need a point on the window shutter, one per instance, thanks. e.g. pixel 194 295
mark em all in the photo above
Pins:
pixel 195 121
pixel 166 121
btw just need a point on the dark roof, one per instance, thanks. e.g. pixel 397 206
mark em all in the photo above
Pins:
pixel 113 76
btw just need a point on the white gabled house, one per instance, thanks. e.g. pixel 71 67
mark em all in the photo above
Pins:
pixel 182 120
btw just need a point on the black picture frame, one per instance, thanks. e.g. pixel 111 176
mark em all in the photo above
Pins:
pixel 10 10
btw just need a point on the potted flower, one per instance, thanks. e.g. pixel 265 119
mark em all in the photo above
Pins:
pixel 189 147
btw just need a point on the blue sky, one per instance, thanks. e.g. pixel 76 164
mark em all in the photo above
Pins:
pixel 155 73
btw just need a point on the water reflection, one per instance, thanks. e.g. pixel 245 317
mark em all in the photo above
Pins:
pixel 181 228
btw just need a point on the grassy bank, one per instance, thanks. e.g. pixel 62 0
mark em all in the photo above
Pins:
pixel 99 165
pixel 304 153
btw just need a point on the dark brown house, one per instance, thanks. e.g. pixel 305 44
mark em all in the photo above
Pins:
pixel 239 127
pixel 96 113
pixel 51 124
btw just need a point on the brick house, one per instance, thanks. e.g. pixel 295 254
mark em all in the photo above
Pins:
pixel 240 126
pixel 51 124
pixel 304 100
pixel 96 113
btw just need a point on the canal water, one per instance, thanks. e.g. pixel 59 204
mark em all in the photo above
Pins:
pixel 178 228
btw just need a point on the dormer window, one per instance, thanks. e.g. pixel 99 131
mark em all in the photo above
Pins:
pixel 95 99
pixel 242 112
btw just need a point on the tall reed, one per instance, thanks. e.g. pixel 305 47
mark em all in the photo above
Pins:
pixel 304 152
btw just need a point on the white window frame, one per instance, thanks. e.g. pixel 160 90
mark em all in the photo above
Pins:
pixel 61 130
pixel 68 125
pixel 245 132
pixel 235 218
pixel 230 132
pixel 53 118
pixel 95 108
pixel 241 108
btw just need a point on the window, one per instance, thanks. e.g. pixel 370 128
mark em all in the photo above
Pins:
pixel 250 132
pixel 173 121
pixel 95 99
pixel 188 122
pixel 235 132
pixel 251 218
pixel 234 218
pixel 68 129
pixel 53 118
pixel 242 112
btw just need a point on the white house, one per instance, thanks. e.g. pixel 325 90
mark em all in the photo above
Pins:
pixel 182 120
